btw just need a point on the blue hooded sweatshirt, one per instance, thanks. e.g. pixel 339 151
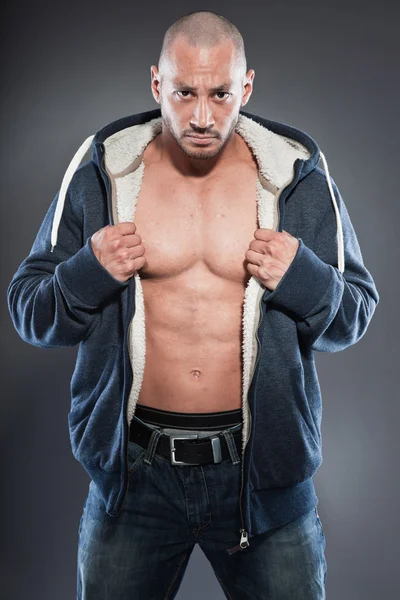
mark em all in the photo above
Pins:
pixel 61 295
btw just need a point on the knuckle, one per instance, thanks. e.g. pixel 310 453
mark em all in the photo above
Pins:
pixel 123 253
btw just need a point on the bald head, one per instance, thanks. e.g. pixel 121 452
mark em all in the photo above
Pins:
pixel 203 29
pixel 201 84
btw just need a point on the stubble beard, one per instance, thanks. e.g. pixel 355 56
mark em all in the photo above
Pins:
pixel 198 153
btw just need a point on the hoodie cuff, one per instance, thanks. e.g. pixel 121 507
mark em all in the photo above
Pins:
pixel 87 279
pixel 303 284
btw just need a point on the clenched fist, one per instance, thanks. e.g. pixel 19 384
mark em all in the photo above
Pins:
pixel 270 254
pixel 119 249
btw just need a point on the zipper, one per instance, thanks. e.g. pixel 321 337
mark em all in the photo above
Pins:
pixel 111 221
pixel 125 491
pixel 244 534
pixel 244 539
pixel 109 202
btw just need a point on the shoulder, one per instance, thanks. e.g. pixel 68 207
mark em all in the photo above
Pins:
pixel 315 188
pixel 317 180
pixel 85 181
pixel 85 176
pixel 85 188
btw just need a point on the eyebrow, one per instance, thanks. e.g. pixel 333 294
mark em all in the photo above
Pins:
pixel 181 84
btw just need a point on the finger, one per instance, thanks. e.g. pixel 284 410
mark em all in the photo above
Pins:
pixel 125 227
pixel 252 269
pixel 138 263
pixel 131 239
pixel 135 252
pixel 258 246
pixel 265 234
pixel 254 257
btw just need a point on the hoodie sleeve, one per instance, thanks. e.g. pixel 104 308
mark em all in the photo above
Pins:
pixel 55 298
pixel 332 309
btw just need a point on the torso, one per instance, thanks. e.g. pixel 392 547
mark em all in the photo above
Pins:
pixel 196 235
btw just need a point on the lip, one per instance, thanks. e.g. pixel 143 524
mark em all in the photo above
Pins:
pixel 201 139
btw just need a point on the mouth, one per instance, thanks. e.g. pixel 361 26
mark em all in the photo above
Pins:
pixel 201 139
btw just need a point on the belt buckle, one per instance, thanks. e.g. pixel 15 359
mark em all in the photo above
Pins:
pixel 215 445
pixel 172 439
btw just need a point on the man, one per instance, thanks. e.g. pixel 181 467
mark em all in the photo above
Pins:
pixel 197 422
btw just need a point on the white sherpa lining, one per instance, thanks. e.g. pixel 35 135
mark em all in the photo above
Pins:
pixel 275 155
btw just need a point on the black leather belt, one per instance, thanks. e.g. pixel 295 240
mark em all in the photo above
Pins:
pixel 184 449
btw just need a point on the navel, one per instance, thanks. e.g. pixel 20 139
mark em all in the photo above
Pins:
pixel 195 373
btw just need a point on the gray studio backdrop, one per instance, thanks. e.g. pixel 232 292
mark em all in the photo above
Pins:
pixel 330 69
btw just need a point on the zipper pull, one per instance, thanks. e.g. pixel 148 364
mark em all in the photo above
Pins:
pixel 244 542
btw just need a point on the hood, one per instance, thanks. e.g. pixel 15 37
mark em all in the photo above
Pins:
pixel 284 155
pixel 276 147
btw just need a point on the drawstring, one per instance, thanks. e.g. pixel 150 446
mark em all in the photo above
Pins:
pixel 338 221
pixel 73 165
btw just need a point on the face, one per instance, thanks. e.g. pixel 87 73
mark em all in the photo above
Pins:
pixel 201 94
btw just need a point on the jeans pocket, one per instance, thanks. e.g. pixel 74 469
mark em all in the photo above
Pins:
pixel 135 457
pixel 319 521
pixel 83 512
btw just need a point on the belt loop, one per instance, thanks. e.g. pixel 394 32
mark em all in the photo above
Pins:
pixel 230 442
pixel 152 446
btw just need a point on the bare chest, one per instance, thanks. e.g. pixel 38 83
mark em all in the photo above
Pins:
pixel 185 223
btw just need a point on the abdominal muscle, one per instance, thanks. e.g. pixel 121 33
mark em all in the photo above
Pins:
pixel 193 344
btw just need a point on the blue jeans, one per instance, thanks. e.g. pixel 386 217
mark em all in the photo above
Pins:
pixel 142 554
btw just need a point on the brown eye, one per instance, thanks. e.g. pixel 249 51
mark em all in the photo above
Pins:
pixel 224 94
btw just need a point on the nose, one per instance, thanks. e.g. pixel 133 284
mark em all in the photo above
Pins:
pixel 202 117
